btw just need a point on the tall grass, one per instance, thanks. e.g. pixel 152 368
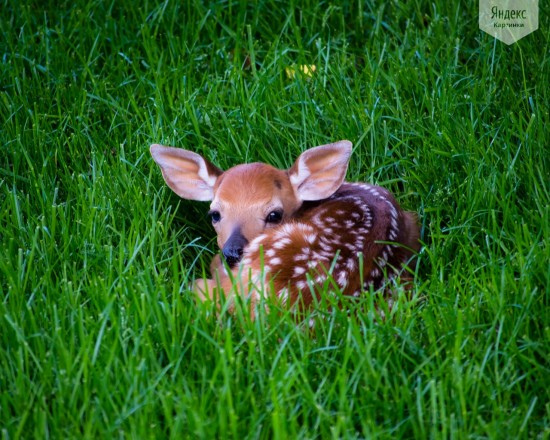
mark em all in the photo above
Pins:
pixel 99 336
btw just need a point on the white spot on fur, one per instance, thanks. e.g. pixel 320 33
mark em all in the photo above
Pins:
pixel 282 243
pixel 253 247
pixel 306 229
pixel 259 238
pixel 320 278
pixel 318 222
pixel 323 256
pixel 310 238
pixel 298 271
pixel 331 242
pixel 327 256
pixel 324 242
pixel 283 295
pixel 280 234
pixel 275 261
pixel 364 186
pixel 342 279
pixel 312 264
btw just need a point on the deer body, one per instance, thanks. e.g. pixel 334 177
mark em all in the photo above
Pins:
pixel 284 232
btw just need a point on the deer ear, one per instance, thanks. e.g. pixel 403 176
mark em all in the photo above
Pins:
pixel 188 174
pixel 320 171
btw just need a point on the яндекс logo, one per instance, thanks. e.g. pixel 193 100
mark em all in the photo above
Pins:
pixel 508 20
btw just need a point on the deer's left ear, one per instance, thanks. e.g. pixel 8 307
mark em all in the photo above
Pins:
pixel 320 171
pixel 188 174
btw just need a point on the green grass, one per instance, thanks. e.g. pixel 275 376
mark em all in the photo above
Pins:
pixel 99 336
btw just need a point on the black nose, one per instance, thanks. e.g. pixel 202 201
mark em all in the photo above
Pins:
pixel 234 247
pixel 233 258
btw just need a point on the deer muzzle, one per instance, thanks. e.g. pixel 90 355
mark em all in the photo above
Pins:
pixel 234 247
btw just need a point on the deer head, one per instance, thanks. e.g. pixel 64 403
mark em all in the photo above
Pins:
pixel 250 198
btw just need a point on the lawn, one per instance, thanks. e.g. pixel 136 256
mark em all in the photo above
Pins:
pixel 100 336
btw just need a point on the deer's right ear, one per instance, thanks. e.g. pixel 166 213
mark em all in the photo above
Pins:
pixel 188 174
pixel 320 171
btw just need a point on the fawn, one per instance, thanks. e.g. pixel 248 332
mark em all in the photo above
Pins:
pixel 282 233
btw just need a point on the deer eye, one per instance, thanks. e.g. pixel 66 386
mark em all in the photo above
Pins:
pixel 274 217
pixel 215 216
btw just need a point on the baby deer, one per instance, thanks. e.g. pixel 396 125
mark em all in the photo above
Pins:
pixel 283 233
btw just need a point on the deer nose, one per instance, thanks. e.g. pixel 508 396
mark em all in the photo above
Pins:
pixel 234 247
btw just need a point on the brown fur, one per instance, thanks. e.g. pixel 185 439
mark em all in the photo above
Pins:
pixel 259 271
